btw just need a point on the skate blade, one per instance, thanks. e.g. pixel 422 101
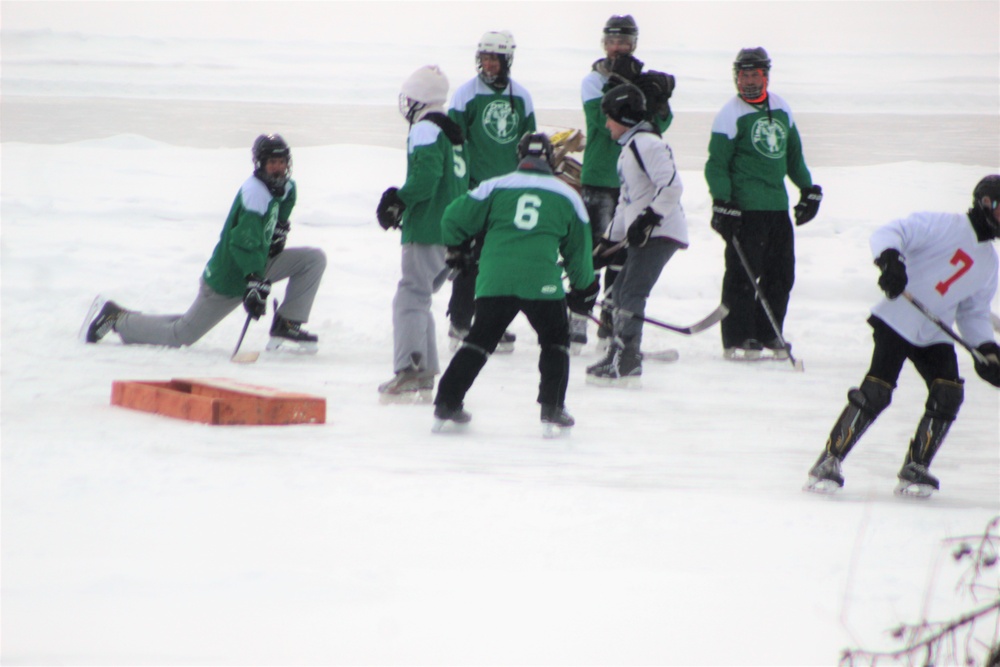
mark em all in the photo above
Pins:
pixel 822 486
pixel 407 397
pixel 553 431
pixel 95 308
pixel 911 490
pixel 752 355
pixel 291 347
pixel 448 426
pixel 245 357
pixel 631 382
pixel 668 356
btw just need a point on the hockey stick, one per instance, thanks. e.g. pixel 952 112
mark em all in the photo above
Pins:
pixel 796 364
pixel 244 357
pixel 714 317
pixel 976 354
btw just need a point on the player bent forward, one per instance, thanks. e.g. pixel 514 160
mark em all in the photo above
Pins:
pixel 529 217
pixel 920 253
pixel 249 256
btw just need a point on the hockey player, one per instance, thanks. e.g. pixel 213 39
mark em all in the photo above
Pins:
pixel 650 217
pixel 494 112
pixel 436 173
pixel 599 177
pixel 754 145
pixel 248 258
pixel 529 217
pixel 946 262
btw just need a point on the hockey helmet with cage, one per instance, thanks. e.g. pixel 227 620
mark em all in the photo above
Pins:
pixel 748 60
pixel 501 44
pixel 428 86
pixel 535 145
pixel 624 104
pixel 988 188
pixel 270 146
pixel 621 27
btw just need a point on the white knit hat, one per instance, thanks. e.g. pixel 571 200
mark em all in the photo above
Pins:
pixel 427 85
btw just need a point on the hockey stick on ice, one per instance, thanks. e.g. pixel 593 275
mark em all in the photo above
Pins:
pixel 244 357
pixel 796 364
pixel 976 354
pixel 714 317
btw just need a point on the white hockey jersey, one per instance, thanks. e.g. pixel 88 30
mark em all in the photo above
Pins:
pixel 649 177
pixel 948 269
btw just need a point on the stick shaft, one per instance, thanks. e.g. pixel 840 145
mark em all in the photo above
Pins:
pixel 763 301
pixel 976 354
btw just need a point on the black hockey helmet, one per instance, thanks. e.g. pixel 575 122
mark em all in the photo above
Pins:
pixel 535 145
pixel 752 58
pixel 621 24
pixel 988 188
pixel 267 146
pixel 624 104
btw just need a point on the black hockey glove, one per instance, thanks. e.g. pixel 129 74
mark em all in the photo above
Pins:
pixel 390 209
pixel 280 236
pixel 638 233
pixel 255 296
pixel 460 258
pixel 990 371
pixel 893 279
pixel 808 206
pixel 581 301
pixel 626 67
pixel 726 218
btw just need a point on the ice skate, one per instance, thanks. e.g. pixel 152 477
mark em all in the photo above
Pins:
pixel 410 385
pixel 776 350
pixel 748 350
pixel 448 419
pixel 556 421
pixel 825 476
pixel 289 336
pixel 621 367
pixel 916 482
pixel 100 320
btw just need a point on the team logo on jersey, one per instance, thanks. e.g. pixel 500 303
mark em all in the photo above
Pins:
pixel 501 121
pixel 769 137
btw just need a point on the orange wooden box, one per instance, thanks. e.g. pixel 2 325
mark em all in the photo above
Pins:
pixel 219 401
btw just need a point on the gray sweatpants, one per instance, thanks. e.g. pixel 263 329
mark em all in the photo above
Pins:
pixel 424 272
pixel 303 267
pixel 635 282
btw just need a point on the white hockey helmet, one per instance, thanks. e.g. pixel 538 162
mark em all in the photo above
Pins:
pixel 501 44
pixel 428 86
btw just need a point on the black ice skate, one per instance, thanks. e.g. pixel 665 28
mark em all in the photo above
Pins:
pixel 555 421
pixel 101 319
pixel 748 350
pixel 289 336
pixel 825 476
pixel 621 367
pixel 449 418
pixel 777 350
pixel 915 481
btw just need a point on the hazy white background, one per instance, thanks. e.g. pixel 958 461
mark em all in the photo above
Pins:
pixel 669 528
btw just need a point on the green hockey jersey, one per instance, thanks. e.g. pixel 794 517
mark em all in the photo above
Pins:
pixel 493 122
pixel 530 218
pixel 752 149
pixel 246 237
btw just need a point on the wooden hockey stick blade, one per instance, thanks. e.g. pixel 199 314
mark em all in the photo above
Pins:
pixel 245 357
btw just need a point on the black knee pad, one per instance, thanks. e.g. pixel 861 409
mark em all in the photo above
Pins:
pixel 872 397
pixel 945 398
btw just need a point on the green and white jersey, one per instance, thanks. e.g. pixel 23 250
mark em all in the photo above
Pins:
pixel 246 237
pixel 436 173
pixel 531 218
pixel 600 154
pixel 493 122
pixel 753 147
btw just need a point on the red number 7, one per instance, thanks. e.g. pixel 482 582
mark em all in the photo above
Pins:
pixel 962 258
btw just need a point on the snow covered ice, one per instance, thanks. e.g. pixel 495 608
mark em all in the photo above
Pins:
pixel 669 527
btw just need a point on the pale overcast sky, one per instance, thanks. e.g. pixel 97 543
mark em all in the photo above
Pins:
pixel 823 26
